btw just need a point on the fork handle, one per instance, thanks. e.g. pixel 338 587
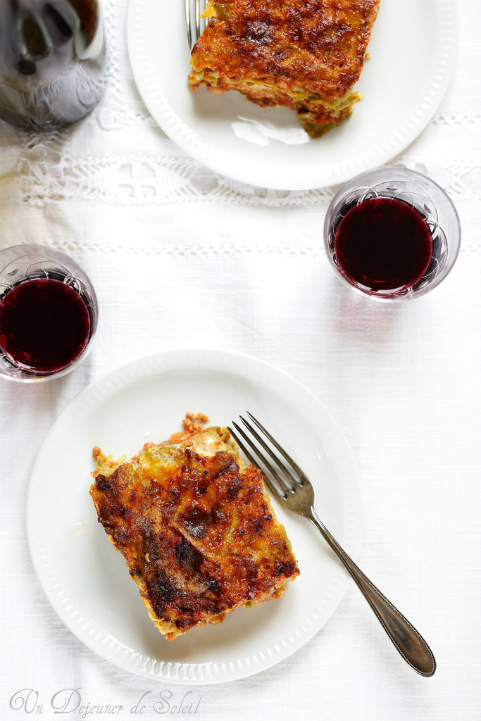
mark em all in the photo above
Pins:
pixel 410 644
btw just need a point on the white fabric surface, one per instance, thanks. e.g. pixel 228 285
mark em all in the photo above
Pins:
pixel 181 257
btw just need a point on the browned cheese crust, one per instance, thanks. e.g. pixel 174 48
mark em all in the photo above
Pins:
pixel 199 535
pixel 303 54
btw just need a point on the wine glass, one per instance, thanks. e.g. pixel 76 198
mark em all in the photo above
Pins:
pixel 48 313
pixel 392 234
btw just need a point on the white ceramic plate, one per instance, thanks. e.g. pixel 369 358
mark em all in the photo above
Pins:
pixel 413 48
pixel 86 579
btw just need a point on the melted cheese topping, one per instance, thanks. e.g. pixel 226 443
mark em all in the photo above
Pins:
pixel 196 529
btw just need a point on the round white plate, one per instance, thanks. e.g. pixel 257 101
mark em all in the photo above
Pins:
pixel 413 48
pixel 87 580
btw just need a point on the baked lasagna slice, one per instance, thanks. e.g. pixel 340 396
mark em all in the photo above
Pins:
pixel 196 529
pixel 304 54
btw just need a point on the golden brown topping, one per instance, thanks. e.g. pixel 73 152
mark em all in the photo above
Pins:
pixel 196 529
pixel 298 53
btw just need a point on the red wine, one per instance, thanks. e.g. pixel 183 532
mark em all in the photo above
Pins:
pixel 44 325
pixel 383 244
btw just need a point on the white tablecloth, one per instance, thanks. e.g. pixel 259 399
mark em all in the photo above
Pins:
pixel 181 257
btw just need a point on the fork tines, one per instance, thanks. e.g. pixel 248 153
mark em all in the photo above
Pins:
pixel 193 11
pixel 286 481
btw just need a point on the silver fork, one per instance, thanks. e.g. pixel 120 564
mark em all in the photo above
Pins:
pixel 193 10
pixel 294 491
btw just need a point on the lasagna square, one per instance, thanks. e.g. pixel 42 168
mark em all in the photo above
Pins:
pixel 196 529
pixel 303 54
